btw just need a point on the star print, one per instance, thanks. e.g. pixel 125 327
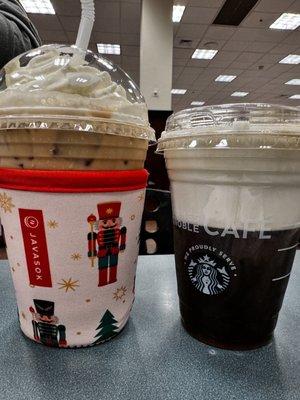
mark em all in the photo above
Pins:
pixel 76 256
pixel 141 197
pixel 68 284
pixel 6 203
pixel 109 211
pixel 52 224
pixel 120 293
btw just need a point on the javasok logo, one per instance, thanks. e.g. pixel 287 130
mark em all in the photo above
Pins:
pixel 210 270
pixel 35 246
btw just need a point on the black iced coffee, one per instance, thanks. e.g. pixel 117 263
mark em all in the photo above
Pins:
pixel 231 283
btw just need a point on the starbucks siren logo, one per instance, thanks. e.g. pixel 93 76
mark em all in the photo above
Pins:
pixel 208 273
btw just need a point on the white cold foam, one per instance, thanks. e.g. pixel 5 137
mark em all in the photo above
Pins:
pixel 238 207
pixel 239 198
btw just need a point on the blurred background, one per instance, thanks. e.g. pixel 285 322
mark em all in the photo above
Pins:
pixel 250 51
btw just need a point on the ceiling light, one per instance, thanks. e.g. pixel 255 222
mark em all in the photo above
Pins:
pixel 290 59
pixel 293 82
pixel 38 6
pixel 225 78
pixel 177 13
pixel 286 21
pixel 178 91
pixel 239 94
pixel 104 48
pixel 295 97
pixel 204 54
pixel 197 103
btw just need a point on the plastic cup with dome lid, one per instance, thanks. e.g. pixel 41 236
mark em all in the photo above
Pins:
pixel 74 134
pixel 235 180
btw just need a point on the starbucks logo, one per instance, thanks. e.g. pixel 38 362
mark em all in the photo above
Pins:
pixel 208 272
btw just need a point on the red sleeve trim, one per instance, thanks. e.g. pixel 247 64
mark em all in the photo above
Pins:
pixel 72 181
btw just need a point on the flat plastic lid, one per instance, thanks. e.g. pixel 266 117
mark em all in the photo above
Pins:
pixel 241 125
pixel 63 87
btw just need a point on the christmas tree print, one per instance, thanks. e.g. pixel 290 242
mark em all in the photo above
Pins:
pixel 107 328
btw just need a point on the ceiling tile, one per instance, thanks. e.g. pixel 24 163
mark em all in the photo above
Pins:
pixel 130 62
pixel 219 63
pixel 257 67
pixel 192 31
pixel 255 83
pixel 67 7
pixel 282 70
pixel 70 23
pixel 104 37
pixel 207 75
pixel 176 72
pixel 130 39
pixel 261 35
pixel 226 55
pixel 259 20
pixel 54 37
pixel 274 5
pixel 241 64
pixel 130 17
pixel 285 48
pixel 107 10
pixel 46 22
pixel 293 38
pixel 179 62
pixel 207 3
pixel 294 7
pixel 232 45
pixel 216 32
pixel 248 57
pixel 189 75
pixel 199 15
pixel 197 63
pixel 72 36
pixel 260 47
pixel 183 53
pixel 270 59
pixel 131 51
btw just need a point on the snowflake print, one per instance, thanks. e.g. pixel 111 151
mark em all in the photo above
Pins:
pixel 6 203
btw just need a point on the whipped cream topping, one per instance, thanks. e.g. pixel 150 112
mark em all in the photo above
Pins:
pixel 62 80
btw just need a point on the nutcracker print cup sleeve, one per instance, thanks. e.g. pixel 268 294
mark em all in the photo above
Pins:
pixel 74 134
pixel 235 181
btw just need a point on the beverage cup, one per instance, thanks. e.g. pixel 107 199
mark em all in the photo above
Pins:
pixel 235 182
pixel 74 134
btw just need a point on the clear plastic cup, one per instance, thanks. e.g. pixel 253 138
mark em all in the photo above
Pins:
pixel 74 134
pixel 64 108
pixel 235 182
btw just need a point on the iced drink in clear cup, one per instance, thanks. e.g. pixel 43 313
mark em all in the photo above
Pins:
pixel 235 181
pixel 74 134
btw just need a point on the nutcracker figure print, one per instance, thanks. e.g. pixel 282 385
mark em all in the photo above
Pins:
pixel 45 324
pixel 110 237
